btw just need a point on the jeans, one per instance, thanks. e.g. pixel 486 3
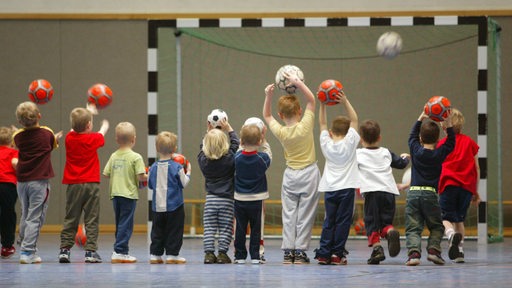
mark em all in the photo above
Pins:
pixel 124 210
pixel 422 208
pixel 248 212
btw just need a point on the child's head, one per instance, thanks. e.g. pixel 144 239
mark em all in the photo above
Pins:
pixel 370 131
pixel 288 106
pixel 166 142
pixel 250 135
pixel 28 114
pixel 215 144
pixel 458 120
pixel 81 120
pixel 5 136
pixel 429 132
pixel 340 126
pixel 125 133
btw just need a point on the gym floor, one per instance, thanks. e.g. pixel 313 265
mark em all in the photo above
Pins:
pixel 486 265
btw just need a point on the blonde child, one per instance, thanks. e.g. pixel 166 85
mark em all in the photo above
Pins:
pixel 34 170
pixel 8 195
pixel 299 189
pixel 125 168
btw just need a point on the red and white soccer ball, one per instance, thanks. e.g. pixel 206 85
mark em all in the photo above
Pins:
pixel 80 237
pixel 40 91
pixel 180 159
pixel 328 90
pixel 437 108
pixel 389 45
pixel 100 95
pixel 359 227
pixel 283 83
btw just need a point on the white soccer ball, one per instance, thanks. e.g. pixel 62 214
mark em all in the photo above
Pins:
pixel 283 83
pixel 216 116
pixel 255 121
pixel 389 45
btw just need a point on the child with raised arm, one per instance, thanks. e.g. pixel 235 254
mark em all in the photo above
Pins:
pixel 458 186
pixel 125 168
pixel 339 181
pixel 216 160
pixel 167 179
pixel 299 189
pixel 379 190
pixel 250 191
pixel 34 170
pixel 422 202
pixel 8 194
pixel 82 175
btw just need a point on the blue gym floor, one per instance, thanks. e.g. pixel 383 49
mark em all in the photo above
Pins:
pixel 486 266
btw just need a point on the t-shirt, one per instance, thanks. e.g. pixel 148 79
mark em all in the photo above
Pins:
pixel 459 167
pixel 7 172
pixel 340 170
pixel 297 141
pixel 82 162
pixel 123 168
pixel 167 180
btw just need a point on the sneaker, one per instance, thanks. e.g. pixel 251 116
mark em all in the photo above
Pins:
pixel 414 259
pixel 175 259
pixel 29 258
pixel 393 237
pixel 460 258
pixel 64 255
pixel 300 257
pixel 7 252
pixel 122 258
pixel 453 250
pixel 289 257
pixel 239 261
pixel 377 255
pixel 223 258
pixel 435 257
pixel 155 259
pixel 92 257
pixel 262 259
pixel 256 261
pixel 337 260
pixel 323 260
pixel 209 258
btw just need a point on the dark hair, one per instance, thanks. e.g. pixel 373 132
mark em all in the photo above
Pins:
pixel 370 131
pixel 429 132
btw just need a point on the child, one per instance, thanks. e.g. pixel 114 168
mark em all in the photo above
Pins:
pixel 167 179
pixel 458 186
pixel 125 168
pixel 250 191
pixel 339 182
pixel 422 202
pixel 379 190
pixel 217 163
pixel 299 190
pixel 82 175
pixel 8 195
pixel 34 170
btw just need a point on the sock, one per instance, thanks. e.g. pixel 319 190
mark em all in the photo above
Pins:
pixel 449 233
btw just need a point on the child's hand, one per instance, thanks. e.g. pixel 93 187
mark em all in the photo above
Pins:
pixel 422 116
pixel 476 199
pixel 209 126
pixel 340 97
pixel 401 186
pixel 92 108
pixel 225 126
pixel 448 119
pixel 58 135
pixel 405 155
pixel 293 79
pixel 269 90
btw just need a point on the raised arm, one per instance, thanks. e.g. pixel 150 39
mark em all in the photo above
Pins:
pixel 267 105
pixel 351 112
pixel 309 97
pixel 322 117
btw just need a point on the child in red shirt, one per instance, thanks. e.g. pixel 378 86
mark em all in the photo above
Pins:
pixel 8 194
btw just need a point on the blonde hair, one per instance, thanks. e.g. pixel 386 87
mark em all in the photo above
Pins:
pixel 288 106
pixel 125 133
pixel 27 114
pixel 79 118
pixel 250 135
pixel 5 136
pixel 215 144
pixel 458 120
pixel 165 142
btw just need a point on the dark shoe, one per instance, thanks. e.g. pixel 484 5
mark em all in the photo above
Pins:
pixel 435 257
pixel 223 258
pixel 300 257
pixel 289 257
pixel 460 258
pixel 7 252
pixel 323 260
pixel 377 255
pixel 92 257
pixel 453 250
pixel 64 255
pixel 337 260
pixel 209 258
pixel 414 259
pixel 393 243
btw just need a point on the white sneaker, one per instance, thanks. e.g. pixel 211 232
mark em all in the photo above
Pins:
pixel 256 261
pixel 239 261
pixel 154 259
pixel 29 258
pixel 122 258
pixel 171 259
